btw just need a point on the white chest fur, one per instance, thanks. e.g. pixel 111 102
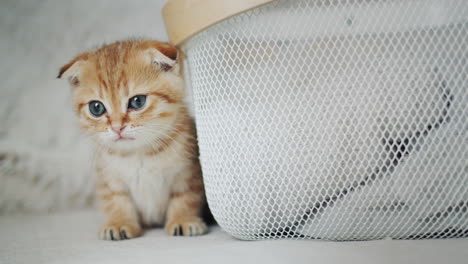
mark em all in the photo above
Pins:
pixel 150 179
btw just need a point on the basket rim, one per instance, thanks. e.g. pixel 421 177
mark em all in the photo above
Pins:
pixel 186 18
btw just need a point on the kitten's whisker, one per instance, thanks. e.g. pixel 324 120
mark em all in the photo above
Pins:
pixel 167 136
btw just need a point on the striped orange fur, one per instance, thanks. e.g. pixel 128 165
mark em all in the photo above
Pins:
pixel 147 158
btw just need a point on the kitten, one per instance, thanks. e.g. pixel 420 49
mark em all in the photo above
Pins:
pixel 129 99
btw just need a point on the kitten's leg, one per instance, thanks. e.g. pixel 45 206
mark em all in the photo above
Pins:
pixel 183 214
pixel 121 215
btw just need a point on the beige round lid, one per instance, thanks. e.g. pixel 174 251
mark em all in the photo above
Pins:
pixel 185 18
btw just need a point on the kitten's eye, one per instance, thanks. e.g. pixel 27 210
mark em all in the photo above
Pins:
pixel 96 108
pixel 137 102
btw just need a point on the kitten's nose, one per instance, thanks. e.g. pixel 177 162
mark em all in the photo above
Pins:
pixel 118 128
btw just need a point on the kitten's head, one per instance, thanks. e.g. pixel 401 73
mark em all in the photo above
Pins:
pixel 128 94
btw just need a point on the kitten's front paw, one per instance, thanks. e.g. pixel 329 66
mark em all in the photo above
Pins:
pixel 119 231
pixel 186 227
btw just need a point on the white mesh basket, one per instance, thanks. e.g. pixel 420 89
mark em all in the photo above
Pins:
pixel 337 120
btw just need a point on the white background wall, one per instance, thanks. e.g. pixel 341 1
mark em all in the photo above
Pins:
pixel 37 126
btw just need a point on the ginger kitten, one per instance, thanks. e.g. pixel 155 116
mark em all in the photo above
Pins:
pixel 129 99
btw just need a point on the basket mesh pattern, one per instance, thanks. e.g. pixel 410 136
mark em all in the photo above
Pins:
pixel 338 120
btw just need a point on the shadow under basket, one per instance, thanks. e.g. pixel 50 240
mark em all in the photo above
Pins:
pixel 336 120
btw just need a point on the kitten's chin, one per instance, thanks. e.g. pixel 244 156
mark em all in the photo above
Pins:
pixel 124 139
pixel 124 145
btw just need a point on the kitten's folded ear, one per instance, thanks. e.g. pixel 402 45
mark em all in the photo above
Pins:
pixel 162 54
pixel 72 69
